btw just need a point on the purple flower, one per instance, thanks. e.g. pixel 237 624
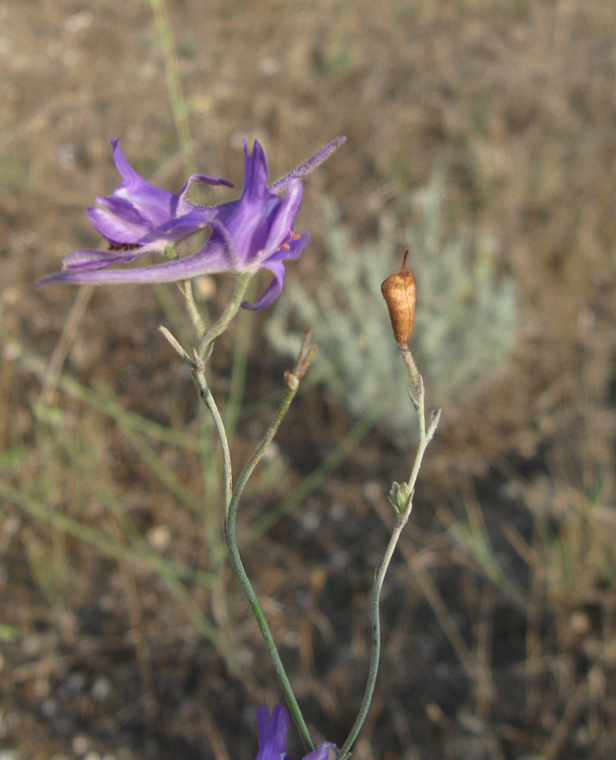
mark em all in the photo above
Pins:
pixel 254 232
pixel 139 218
pixel 273 736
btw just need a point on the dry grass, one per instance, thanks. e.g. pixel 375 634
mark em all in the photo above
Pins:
pixel 122 631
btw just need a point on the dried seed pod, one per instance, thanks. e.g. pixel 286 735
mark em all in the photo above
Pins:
pixel 400 294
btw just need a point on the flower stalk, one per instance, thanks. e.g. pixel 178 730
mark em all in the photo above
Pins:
pixel 233 494
pixel 401 498
pixel 293 380
pixel 207 338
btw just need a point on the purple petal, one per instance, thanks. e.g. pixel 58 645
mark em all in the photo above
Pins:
pixel 275 265
pixel 136 209
pixel 130 178
pixel 273 290
pixel 176 230
pixel 255 172
pixel 250 223
pixel 210 213
pixel 184 205
pixel 262 222
pixel 118 221
pixel 153 204
pixel 304 169
pixel 208 179
pixel 155 242
pixel 213 258
pixel 281 222
pixel 322 753
pixel 272 733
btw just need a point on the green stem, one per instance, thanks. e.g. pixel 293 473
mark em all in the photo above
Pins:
pixel 425 436
pixel 179 106
pixel 191 306
pixel 206 340
pixel 198 370
pixel 237 385
pixel 233 496
pixel 238 566
pixel 208 399
pixel 312 481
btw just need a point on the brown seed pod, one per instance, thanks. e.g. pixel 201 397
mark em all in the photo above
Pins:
pixel 400 294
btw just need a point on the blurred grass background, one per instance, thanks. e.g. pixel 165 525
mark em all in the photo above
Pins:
pixel 481 136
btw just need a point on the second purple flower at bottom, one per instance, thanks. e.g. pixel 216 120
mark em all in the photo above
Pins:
pixel 273 731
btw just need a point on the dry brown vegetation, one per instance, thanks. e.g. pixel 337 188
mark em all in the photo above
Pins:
pixel 500 612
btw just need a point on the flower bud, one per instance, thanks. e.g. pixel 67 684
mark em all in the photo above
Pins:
pixel 400 295
pixel 400 497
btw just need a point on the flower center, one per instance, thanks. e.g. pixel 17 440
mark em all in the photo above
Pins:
pixel 292 236
pixel 124 246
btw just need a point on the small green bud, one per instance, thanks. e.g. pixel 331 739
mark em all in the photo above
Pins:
pixel 400 496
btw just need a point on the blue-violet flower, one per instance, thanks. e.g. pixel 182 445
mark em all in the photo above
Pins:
pixel 254 232
pixel 139 218
pixel 273 731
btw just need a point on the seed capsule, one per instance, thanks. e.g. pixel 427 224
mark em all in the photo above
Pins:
pixel 400 294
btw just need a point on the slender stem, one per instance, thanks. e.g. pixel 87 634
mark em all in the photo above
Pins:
pixel 312 481
pixel 191 306
pixel 174 86
pixel 205 341
pixel 208 399
pixel 425 436
pixel 238 372
pixel 66 339
pixel 198 367
pixel 233 496
pixel 238 566
pixel 258 453
pixel 232 499
pixel 379 577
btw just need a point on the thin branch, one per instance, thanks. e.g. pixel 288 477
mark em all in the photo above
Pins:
pixel 402 500
pixel 293 381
